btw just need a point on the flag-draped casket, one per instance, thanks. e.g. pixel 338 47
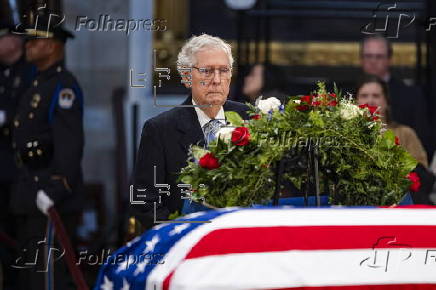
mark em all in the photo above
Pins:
pixel 282 248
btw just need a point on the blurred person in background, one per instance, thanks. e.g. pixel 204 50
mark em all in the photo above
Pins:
pixel 408 105
pixel 48 140
pixel 261 80
pixel 373 91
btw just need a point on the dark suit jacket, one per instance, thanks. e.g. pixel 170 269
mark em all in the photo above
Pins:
pixel 408 107
pixel 165 142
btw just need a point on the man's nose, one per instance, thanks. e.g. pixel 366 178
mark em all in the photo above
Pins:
pixel 216 77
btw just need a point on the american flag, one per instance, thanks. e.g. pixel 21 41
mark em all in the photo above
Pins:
pixel 282 248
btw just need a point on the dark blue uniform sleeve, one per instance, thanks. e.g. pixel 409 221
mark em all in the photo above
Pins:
pixel 66 118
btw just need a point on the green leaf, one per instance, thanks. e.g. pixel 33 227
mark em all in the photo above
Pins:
pixel 186 179
pixel 316 119
pixel 234 118
pixel 389 139
pixel 409 162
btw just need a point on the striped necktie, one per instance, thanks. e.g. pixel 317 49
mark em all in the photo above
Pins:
pixel 210 129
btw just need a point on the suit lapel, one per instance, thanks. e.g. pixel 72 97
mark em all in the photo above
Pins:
pixel 189 126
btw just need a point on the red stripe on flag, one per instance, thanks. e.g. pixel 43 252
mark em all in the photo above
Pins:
pixel 367 287
pixel 411 206
pixel 167 281
pixel 271 239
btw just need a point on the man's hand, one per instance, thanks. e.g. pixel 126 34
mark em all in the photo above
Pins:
pixel 43 202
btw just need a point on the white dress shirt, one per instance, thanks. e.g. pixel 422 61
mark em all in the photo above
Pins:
pixel 203 119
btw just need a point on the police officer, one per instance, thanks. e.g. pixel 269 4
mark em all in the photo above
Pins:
pixel 48 140
pixel 15 77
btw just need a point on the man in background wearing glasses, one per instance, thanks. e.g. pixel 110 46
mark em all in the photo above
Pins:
pixel 205 65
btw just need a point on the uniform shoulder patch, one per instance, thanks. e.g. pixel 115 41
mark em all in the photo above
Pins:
pixel 66 98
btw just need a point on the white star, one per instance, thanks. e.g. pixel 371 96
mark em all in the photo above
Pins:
pixel 151 244
pixel 178 229
pixel 125 264
pixel 107 285
pixel 140 267
pixel 126 285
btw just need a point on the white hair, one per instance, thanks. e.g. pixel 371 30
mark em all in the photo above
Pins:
pixel 187 58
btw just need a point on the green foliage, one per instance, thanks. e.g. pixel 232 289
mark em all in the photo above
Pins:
pixel 234 118
pixel 357 156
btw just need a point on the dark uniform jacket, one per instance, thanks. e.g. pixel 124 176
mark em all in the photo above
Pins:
pixel 48 139
pixel 165 142
pixel 14 80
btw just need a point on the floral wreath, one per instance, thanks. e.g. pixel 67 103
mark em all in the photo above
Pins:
pixel 360 161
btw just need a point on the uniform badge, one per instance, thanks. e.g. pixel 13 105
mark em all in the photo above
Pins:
pixel 66 98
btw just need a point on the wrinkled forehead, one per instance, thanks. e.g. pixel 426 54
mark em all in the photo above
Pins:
pixel 211 57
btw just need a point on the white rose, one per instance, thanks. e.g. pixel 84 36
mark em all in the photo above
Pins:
pixel 225 133
pixel 269 104
pixel 349 111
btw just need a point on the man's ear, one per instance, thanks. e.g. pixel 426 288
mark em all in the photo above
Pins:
pixel 186 75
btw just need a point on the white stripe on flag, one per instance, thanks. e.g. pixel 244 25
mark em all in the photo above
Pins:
pixel 304 268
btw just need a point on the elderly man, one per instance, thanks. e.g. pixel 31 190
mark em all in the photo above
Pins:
pixel 166 139
pixel 407 103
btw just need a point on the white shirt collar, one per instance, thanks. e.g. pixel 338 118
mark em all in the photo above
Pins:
pixel 203 119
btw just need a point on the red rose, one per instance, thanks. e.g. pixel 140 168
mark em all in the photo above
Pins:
pixel 209 161
pixel 302 108
pixel 397 140
pixel 333 95
pixel 241 136
pixel 306 99
pixel 316 103
pixel 372 110
pixel 332 103
pixel 256 117
pixel 416 181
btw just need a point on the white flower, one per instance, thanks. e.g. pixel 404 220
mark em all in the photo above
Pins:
pixel 225 133
pixel 269 104
pixel 349 111
pixel 297 101
pixel 198 152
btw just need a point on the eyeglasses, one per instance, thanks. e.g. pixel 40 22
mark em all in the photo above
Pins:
pixel 209 72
